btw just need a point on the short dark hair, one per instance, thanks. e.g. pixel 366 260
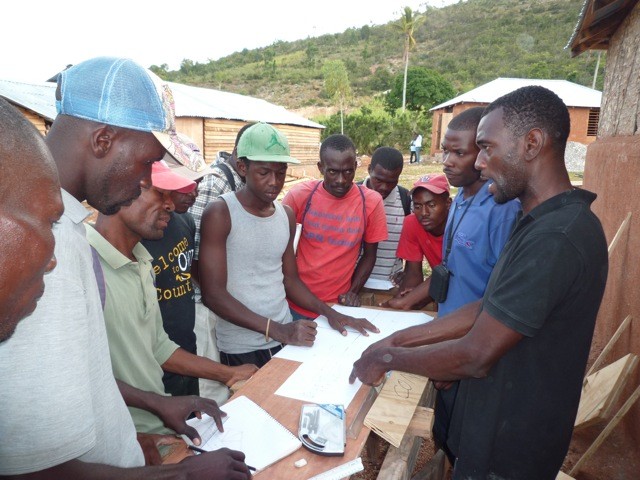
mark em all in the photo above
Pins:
pixel 388 158
pixel 466 120
pixel 241 131
pixel 337 142
pixel 534 107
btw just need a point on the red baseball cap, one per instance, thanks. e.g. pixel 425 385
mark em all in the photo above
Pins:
pixel 435 183
pixel 163 177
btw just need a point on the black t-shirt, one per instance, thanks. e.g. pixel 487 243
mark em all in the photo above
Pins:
pixel 547 285
pixel 172 258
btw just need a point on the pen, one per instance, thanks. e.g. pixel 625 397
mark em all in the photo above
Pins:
pixel 201 450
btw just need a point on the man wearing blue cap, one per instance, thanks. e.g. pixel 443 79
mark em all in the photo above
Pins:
pixel 104 140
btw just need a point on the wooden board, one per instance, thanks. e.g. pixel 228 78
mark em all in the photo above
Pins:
pixel 261 387
pixel 393 410
pixel 602 389
pixel 563 476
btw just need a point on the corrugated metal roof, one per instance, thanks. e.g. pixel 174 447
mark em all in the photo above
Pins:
pixel 190 102
pixel 572 94
pixel 210 103
pixel 39 98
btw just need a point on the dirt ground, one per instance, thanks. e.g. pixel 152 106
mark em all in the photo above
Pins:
pixel 616 459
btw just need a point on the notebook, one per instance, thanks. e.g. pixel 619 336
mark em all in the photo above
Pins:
pixel 249 429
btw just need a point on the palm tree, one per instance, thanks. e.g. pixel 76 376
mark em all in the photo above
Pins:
pixel 407 24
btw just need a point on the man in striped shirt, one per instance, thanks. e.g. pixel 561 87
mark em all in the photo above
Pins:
pixel 384 172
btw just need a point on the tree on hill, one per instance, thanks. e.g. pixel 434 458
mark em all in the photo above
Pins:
pixel 407 24
pixel 425 88
pixel 336 85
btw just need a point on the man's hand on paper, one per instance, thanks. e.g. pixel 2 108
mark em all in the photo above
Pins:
pixel 221 464
pixel 174 411
pixel 399 302
pixel 373 363
pixel 241 372
pixel 300 333
pixel 339 321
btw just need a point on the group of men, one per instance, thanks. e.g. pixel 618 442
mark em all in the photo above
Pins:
pixel 190 279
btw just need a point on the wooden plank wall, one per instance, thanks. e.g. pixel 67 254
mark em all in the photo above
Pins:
pixel 37 120
pixel 220 134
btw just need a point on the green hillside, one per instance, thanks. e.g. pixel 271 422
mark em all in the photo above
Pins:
pixel 469 43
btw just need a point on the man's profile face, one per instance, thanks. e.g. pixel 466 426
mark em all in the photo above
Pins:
pixel 184 201
pixel 265 180
pixel 28 245
pixel 499 158
pixel 339 170
pixel 126 168
pixel 431 210
pixel 459 153
pixel 148 216
pixel 382 180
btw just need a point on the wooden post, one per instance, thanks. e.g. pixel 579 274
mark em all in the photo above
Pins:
pixel 623 326
pixel 618 235
pixel 607 430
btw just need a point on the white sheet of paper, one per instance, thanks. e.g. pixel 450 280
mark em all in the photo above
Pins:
pixel 323 376
pixel 377 284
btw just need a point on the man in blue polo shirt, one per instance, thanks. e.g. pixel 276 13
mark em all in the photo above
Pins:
pixel 477 229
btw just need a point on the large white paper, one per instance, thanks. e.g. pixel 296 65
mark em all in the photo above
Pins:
pixel 323 376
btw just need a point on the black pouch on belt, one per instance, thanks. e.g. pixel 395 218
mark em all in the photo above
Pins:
pixel 439 285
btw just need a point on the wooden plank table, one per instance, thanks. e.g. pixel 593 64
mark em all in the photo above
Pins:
pixel 261 389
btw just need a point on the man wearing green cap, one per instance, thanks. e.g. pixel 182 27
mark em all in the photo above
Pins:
pixel 247 264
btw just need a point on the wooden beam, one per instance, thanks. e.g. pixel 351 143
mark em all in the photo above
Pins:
pixel 435 468
pixel 607 430
pixel 623 326
pixel 399 462
pixel 602 389
pixel 621 230
pixel 421 423
pixel 393 410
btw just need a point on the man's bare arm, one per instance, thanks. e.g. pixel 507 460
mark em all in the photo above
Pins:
pixel 212 266
pixel 470 355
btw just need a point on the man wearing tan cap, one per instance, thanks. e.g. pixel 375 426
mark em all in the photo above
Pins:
pixel 172 263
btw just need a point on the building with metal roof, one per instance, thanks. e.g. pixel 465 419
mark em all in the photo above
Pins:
pixel 583 103
pixel 211 117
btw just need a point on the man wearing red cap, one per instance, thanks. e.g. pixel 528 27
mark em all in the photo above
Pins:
pixel 421 237
pixel 172 264
pixel 140 348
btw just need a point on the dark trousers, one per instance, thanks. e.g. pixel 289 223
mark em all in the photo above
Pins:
pixel 258 357
pixel 412 157
pixel 445 401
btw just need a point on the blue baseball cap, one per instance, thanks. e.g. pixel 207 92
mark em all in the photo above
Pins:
pixel 118 92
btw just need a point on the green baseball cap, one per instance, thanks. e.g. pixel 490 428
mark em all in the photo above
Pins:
pixel 263 143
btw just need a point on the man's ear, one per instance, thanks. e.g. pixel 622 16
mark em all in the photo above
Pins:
pixel 242 167
pixel 534 141
pixel 321 167
pixel 102 140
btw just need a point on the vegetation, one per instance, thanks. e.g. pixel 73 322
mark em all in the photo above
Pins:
pixel 407 24
pixel 336 85
pixel 465 45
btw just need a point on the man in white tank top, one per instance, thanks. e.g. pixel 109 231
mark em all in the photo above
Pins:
pixel 247 265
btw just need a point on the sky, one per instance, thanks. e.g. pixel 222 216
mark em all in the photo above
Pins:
pixel 41 37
